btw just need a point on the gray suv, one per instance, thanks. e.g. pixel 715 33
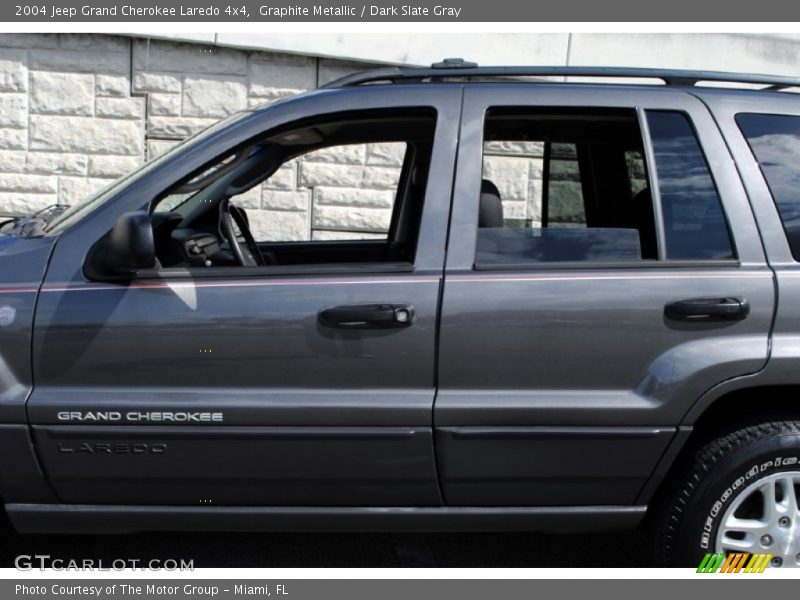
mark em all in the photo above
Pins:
pixel 575 306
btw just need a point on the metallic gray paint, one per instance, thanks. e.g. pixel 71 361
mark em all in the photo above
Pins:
pixel 508 385
pixel 24 262
pixel 584 345
pixel 781 369
pixel 248 343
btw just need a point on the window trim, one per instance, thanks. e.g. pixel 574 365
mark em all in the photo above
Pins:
pixel 546 160
pixel 652 181
pixel 267 271
pixel 597 264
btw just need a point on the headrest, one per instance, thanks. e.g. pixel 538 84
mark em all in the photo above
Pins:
pixel 488 187
pixel 490 211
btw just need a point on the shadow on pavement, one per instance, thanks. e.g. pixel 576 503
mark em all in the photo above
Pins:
pixel 339 549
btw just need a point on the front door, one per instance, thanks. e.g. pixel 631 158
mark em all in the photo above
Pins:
pixel 307 380
pixel 603 271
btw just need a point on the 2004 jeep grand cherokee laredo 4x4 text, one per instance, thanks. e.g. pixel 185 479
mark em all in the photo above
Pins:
pixel 626 345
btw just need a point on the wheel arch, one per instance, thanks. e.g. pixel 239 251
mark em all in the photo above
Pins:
pixel 723 413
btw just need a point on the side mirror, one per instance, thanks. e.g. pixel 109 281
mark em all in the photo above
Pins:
pixel 130 245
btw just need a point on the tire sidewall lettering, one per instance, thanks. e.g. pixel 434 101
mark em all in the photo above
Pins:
pixel 726 492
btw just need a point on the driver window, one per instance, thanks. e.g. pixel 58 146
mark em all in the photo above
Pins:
pixel 348 191
pixel 338 193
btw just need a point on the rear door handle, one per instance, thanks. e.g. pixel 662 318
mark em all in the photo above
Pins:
pixel 708 309
pixel 367 316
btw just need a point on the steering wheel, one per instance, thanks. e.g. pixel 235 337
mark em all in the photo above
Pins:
pixel 247 254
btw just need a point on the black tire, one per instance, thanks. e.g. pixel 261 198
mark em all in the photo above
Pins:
pixel 687 516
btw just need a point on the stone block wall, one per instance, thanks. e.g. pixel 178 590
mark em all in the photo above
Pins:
pixel 516 169
pixel 68 123
pixel 343 192
pixel 78 111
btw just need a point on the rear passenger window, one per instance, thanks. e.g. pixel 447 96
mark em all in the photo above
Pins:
pixel 572 185
pixel 775 142
pixel 558 187
pixel 694 224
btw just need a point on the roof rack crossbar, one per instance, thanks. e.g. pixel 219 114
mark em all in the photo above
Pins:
pixel 674 77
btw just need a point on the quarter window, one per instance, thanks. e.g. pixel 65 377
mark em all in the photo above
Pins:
pixel 775 142
pixel 694 224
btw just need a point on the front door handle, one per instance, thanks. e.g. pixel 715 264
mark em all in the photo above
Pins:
pixel 702 310
pixel 367 316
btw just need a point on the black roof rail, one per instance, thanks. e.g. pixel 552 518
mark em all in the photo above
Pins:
pixel 458 68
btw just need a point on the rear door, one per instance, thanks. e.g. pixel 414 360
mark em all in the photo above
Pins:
pixel 603 271
pixel 188 388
